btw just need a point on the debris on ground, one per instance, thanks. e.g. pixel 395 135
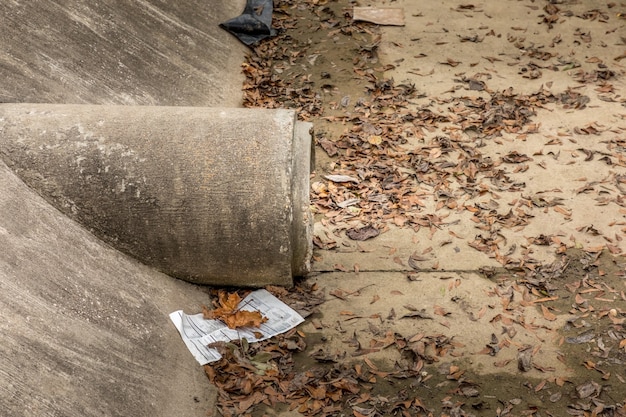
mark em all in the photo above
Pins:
pixel 503 139
pixel 228 310
pixel 256 317
pixel 393 16
pixel 254 24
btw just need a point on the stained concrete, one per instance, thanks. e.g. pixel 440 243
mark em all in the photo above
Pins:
pixel 214 196
pixel 432 270
pixel 85 329
pixel 145 52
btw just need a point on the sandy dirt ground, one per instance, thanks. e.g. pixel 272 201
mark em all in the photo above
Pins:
pixel 469 193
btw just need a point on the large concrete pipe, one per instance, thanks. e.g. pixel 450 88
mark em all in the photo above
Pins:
pixel 211 196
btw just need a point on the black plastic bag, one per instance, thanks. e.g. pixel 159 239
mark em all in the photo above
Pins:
pixel 254 24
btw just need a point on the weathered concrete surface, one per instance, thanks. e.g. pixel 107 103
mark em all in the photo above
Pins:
pixel 460 294
pixel 589 188
pixel 209 195
pixel 434 270
pixel 85 329
pixel 145 52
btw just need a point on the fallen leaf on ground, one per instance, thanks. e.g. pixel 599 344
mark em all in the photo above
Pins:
pixel 227 311
pixel 363 233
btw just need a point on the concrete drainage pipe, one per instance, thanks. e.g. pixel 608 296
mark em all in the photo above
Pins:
pixel 208 195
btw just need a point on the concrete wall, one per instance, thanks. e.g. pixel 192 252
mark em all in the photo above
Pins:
pixel 140 52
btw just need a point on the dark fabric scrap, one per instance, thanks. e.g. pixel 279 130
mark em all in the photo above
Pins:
pixel 254 24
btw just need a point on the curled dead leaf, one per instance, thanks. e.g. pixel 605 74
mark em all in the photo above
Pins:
pixel 588 389
pixel 525 359
pixel 363 233
pixel 415 258
pixel 341 178
pixel 228 311
pixel 451 62
pixel 547 314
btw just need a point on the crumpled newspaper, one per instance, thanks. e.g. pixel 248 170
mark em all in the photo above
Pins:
pixel 198 332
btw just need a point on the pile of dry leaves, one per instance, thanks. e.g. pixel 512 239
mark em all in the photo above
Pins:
pixel 284 373
pixel 265 374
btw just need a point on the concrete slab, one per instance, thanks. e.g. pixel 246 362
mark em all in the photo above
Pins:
pixel 566 191
pixel 85 329
pixel 146 52
pixel 570 182
pixel 460 305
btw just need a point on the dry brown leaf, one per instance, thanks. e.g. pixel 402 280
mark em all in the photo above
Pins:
pixel 363 233
pixel 451 62
pixel 594 249
pixel 441 311
pixel 540 385
pixel 340 267
pixel 243 318
pixel 339 293
pixel 560 381
pixel 565 212
pixel 547 314
pixel 328 147
pixel 503 363
pixel 545 299
pixel 228 312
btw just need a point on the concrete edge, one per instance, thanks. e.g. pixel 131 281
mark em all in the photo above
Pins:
pixel 302 221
